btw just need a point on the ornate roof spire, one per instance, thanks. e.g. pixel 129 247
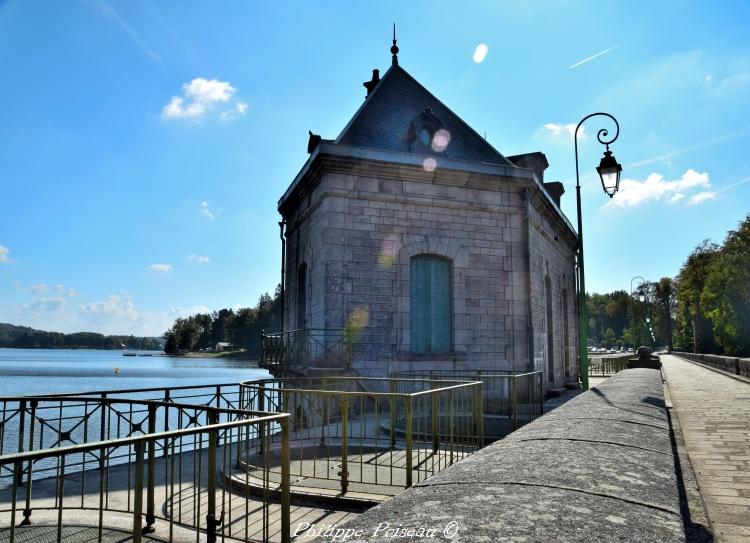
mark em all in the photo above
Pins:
pixel 394 48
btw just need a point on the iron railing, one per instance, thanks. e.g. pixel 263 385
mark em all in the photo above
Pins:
pixel 368 435
pixel 62 454
pixel 609 365
pixel 309 347
pixel 510 399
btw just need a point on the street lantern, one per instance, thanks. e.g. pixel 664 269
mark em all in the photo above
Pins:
pixel 609 172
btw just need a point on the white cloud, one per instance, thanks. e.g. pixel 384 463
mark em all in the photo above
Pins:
pixel 201 96
pixel 239 109
pixel 633 192
pixel 701 197
pixel 38 289
pixel 160 268
pixel 208 212
pixel 62 290
pixel 199 259
pixel 676 198
pixel 117 314
pixel 4 251
pixel 480 53
pixel 562 132
pixel 54 304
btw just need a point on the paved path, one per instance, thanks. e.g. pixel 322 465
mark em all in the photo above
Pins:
pixel 714 413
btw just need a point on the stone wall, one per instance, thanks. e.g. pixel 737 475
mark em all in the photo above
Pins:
pixel 729 364
pixel 599 468
pixel 357 233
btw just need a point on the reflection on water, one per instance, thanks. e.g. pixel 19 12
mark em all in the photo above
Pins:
pixel 41 371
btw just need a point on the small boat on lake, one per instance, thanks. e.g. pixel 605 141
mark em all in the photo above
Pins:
pixel 129 354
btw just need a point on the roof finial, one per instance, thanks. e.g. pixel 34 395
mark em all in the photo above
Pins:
pixel 394 48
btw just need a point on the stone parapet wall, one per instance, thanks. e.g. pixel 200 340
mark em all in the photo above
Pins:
pixel 599 468
pixel 735 366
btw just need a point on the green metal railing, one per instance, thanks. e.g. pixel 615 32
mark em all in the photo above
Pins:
pixel 61 454
pixel 368 434
pixel 510 399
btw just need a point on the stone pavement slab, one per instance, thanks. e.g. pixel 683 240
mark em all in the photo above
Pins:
pixel 714 413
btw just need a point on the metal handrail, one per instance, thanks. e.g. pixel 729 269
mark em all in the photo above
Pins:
pixel 220 444
pixel 389 438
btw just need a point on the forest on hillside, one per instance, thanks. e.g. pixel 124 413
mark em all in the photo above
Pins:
pixel 241 328
pixel 23 337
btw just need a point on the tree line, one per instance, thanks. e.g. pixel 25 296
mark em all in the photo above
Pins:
pixel 23 337
pixel 241 328
pixel 704 309
pixel 713 296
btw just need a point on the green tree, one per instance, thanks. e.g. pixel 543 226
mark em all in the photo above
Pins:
pixel 725 297
pixel 665 310
pixel 690 283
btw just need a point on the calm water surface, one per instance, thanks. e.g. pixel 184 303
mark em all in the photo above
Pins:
pixel 51 371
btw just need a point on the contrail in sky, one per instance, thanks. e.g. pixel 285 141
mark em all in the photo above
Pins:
pixel 703 145
pixel 594 56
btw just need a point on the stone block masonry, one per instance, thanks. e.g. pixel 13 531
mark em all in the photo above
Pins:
pixel 600 468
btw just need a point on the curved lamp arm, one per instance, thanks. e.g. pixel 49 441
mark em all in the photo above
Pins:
pixel 601 135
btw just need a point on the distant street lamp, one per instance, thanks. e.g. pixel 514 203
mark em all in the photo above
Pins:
pixel 609 173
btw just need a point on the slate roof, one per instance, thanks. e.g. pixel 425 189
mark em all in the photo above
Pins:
pixel 383 121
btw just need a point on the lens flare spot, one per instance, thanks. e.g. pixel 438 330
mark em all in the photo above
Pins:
pixel 356 323
pixel 387 256
pixel 440 140
pixel 480 53
pixel 429 164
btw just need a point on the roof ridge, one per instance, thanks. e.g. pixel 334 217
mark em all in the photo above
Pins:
pixel 489 149
pixel 366 100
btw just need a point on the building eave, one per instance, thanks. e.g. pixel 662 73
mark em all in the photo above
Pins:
pixel 338 151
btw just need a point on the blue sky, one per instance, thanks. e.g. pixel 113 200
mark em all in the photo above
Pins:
pixel 145 144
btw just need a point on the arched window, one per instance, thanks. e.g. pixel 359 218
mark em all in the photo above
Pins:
pixel 302 297
pixel 431 304
pixel 550 331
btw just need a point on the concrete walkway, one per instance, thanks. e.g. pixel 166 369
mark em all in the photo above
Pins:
pixel 714 413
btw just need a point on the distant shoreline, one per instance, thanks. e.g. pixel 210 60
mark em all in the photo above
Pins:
pixel 78 348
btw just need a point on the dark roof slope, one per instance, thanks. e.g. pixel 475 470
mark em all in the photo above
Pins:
pixel 383 121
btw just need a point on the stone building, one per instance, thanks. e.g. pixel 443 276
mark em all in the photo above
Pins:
pixel 412 236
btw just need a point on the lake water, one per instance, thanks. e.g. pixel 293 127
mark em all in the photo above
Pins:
pixel 25 372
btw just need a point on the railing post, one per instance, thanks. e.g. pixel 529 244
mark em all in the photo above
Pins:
pixel 18 478
pixel 213 440
pixel 30 468
pixel 435 418
pixel 408 437
pixel 138 497
pixel 285 498
pixel 541 394
pixel 392 387
pixel 17 467
pixel 344 473
pixel 167 399
pixel 479 414
pixel 261 407
pixel 151 474
pixel 514 402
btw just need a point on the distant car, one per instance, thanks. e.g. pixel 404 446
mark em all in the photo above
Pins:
pixel 631 350
pixel 603 350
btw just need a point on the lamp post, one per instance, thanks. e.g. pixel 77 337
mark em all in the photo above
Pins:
pixel 609 173
pixel 641 298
